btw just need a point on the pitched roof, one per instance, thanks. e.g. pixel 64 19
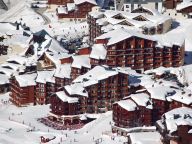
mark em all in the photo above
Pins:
pixel 77 2
pixel 26 80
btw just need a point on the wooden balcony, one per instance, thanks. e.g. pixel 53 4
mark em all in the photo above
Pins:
pixel 138 57
pixel 138 66
pixel 167 64
pixel 147 61
pixel 148 56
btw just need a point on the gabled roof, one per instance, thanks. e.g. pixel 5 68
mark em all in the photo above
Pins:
pixel 121 34
pixel 77 2
pixel 95 75
pixel 80 61
pixel 128 105
pixel 26 80
pixel 142 99
pixel 76 89
pixel 177 117
pixel 183 5
pixel 45 76
pixel 98 51
pixel 63 71
pixel 65 98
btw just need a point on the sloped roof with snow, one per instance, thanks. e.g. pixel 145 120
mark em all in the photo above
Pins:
pixel 177 117
pixel 161 92
pixel 128 105
pixel 142 99
pixel 80 61
pixel 183 5
pixel 63 71
pixel 76 89
pixel 45 76
pixel 4 79
pixel 98 51
pixel 121 34
pixel 17 59
pixel 95 75
pixel 183 96
pixel 26 79
pixel 77 2
pixel 62 96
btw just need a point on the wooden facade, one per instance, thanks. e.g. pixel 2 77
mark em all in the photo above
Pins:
pixel 139 53
pixel 100 98
pixel 84 51
pixel 44 92
pixel 60 2
pixel 180 136
pixel 171 4
pixel 79 13
pixel 186 10
pixel 128 119
pixel 21 96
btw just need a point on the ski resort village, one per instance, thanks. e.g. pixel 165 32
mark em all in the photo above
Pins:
pixel 95 71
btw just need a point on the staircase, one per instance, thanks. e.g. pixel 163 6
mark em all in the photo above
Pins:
pixel 3 5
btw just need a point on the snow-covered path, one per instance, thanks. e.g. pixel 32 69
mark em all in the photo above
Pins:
pixel 16 123
pixel 14 10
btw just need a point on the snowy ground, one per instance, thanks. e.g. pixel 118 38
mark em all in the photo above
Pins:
pixel 16 122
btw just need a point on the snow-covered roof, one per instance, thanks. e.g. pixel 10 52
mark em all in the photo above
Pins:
pixel 7 72
pixel 63 71
pixel 177 117
pixel 17 59
pixel 12 66
pixel 49 44
pixel 183 5
pixel 80 61
pixel 107 19
pixel 121 34
pixel 183 96
pixel 98 51
pixel 161 92
pixel 62 96
pixel 169 39
pixel 45 76
pixel 70 6
pixel 26 79
pixel 128 105
pixel 77 2
pixel 95 75
pixel 62 10
pixel 55 57
pixel 76 89
pixel 145 138
pixel 142 99
pixel 4 79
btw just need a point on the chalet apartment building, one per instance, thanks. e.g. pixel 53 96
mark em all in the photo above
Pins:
pixel 175 126
pixel 147 21
pixel 77 10
pixel 138 51
pixel 93 92
pixel 130 48
pixel 147 107
pixel 23 89
pixel 48 79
